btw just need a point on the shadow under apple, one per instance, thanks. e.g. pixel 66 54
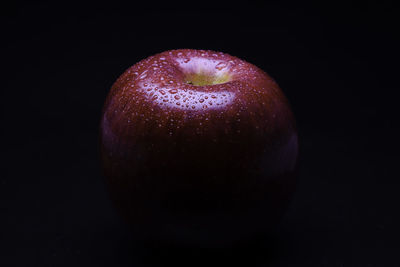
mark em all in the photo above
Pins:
pixel 262 250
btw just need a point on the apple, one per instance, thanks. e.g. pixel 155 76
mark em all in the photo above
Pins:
pixel 198 147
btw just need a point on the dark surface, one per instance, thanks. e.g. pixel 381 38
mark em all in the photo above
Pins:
pixel 337 64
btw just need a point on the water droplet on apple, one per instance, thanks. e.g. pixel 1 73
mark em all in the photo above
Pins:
pixel 220 66
pixel 177 97
pixel 173 91
pixel 201 100
pixel 186 60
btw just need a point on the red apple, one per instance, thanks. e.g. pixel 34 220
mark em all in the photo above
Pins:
pixel 198 146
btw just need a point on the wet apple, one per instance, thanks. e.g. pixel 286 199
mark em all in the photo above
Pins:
pixel 198 147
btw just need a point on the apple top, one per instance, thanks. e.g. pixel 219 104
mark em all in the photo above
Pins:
pixel 196 94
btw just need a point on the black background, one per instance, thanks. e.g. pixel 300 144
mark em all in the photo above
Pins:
pixel 337 64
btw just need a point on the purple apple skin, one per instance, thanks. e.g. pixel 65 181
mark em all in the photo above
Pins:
pixel 198 147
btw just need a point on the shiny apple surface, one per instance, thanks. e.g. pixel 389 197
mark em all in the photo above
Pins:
pixel 198 146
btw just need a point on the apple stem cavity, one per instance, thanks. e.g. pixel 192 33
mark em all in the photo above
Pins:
pixel 202 79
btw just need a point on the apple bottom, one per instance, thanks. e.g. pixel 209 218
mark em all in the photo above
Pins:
pixel 193 219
